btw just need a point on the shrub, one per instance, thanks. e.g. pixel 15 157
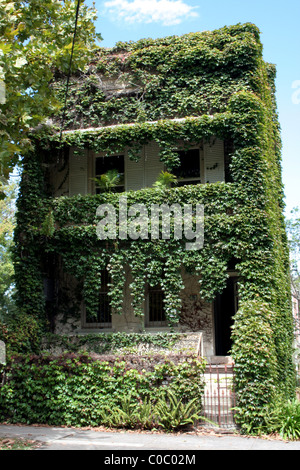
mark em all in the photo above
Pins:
pixel 79 390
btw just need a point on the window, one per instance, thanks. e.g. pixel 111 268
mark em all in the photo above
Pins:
pixel 103 318
pixel 156 309
pixel 189 170
pixel 105 164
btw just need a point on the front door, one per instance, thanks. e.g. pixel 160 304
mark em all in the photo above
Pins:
pixel 225 307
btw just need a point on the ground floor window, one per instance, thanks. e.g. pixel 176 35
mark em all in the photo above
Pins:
pixel 155 308
pixel 103 317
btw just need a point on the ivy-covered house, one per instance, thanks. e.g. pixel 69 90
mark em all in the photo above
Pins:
pixel 202 108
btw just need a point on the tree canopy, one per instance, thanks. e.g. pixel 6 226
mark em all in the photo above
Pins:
pixel 36 41
pixel 293 229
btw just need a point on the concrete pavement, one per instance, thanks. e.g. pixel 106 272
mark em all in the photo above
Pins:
pixel 61 438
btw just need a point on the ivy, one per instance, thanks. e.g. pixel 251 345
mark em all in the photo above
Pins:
pixel 102 343
pixel 77 390
pixel 184 90
pixel 256 369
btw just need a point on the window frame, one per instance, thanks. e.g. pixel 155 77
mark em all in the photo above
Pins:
pixel 153 323
pixel 193 180
pixel 118 188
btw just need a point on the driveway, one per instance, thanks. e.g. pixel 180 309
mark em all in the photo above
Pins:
pixel 129 443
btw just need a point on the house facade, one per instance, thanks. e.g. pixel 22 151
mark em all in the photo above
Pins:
pixel 200 107
pixel 204 163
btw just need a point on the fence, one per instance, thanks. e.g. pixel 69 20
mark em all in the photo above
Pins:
pixel 219 396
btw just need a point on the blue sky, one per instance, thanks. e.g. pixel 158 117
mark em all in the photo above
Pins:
pixel 278 21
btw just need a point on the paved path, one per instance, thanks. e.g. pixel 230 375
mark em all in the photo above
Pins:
pixel 56 438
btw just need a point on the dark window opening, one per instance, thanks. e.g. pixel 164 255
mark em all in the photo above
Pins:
pixel 107 164
pixel 103 317
pixel 188 172
pixel 156 307
pixel 231 265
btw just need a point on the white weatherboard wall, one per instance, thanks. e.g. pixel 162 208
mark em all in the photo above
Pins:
pixel 145 172
pixel 78 178
pixel 214 166
pixel 153 165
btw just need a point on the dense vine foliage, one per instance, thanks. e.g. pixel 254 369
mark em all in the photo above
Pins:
pixel 77 390
pixel 216 84
pixel 256 369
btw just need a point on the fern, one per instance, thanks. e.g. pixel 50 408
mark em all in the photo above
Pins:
pixel 173 413
pixel 284 418
pixel 146 416
pixel 169 412
pixel 108 181
pixel 131 414
pixel 165 180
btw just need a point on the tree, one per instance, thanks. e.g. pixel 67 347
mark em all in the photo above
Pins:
pixel 7 223
pixel 36 41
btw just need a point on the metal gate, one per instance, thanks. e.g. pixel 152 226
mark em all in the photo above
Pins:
pixel 219 396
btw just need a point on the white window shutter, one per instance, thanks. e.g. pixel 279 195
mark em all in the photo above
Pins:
pixel 214 161
pixel 78 176
pixel 153 165
pixel 144 173
pixel 134 173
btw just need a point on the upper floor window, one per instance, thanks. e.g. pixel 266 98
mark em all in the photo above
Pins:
pixel 109 172
pixel 189 171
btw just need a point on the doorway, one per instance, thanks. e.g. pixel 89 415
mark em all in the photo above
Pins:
pixel 225 307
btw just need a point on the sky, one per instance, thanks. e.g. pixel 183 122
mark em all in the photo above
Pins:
pixel 278 21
